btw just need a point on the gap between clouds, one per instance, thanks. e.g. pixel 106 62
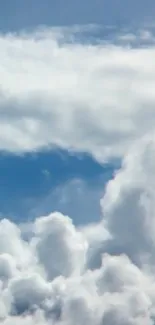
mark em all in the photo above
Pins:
pixel 36 184
pixel 94 98
pixel 52 272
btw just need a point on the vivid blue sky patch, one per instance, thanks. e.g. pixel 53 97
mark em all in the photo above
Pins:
pixel 49 181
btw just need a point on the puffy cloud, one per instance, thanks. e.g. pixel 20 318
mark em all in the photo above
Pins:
pixel 52 277
pixel 11 243
pixel 59 247
pixel 128 205
pixel 7 267
pixel 88 97
pixel 26 320
pixel 28 292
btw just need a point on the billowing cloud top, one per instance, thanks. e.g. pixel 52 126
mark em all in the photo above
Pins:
pixel 56 92
pixel 52 272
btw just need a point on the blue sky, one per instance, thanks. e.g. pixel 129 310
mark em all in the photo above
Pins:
pixel 38 183
pixel 19 14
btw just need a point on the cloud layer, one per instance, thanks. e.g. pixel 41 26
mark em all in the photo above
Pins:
pixel 56 92
pixel 52 272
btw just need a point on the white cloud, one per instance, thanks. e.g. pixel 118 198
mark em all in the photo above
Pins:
pixel 100 274
pixel 93 98
pixel 12 244
pixel 7 267
pixel 27 292
pixel 58 232
pixel 128 205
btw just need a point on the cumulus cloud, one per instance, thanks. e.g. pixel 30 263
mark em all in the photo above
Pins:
pixel 128 205
pixel 97 274
pixel 56 231
pixel 89 97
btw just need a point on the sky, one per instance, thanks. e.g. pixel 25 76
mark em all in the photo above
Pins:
pixel 20 14
pixel 77 162
pixel 42 182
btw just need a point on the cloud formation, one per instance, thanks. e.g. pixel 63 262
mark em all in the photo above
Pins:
pixel 52 272
pixel 58 92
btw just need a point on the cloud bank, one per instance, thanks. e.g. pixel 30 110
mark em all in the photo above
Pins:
pixel 52 272
pixel 57 92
